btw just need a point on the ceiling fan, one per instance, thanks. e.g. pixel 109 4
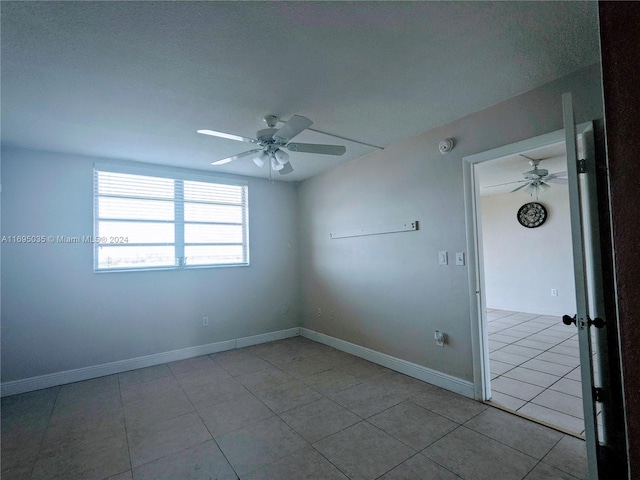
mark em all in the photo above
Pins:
pixel 536 179
pixel 271 141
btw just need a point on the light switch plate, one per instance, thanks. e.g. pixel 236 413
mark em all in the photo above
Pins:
pixel 460 258
pixel 443 258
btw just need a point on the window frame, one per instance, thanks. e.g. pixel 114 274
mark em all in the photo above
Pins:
pixel 179 177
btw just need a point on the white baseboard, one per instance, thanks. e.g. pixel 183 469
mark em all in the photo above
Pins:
pixel 425 374
pixel 267 337
pixel 95 371
pixel 434 377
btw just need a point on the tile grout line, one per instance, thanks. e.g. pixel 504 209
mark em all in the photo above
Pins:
pixel 542 351
pixel 360 382
pixel 509 446
pixel 195 410
pixel 513 343
pixel 417 452
pixel 292 429
pixel 126 430
pixel 312 445
pixel 278 415
pixel 201 419
pixel 44 433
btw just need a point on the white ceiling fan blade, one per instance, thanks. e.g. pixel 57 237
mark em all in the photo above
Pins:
pixel 229 136
pixel 520 187
pixel 316 148
pixel 235 157
pixel 506 183
pixel 293 127
pixel 287 168
pixel 559 181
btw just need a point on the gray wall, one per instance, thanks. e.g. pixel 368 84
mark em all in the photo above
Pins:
pixel 59 315
pixel 387 292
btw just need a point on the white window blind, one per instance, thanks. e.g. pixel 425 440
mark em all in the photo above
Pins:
pixel 150 221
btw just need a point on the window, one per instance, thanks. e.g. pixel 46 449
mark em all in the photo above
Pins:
pixel 145 219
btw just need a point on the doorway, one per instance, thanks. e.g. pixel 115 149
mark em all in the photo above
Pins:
pixel 603 410
pixel 529 285
pixel 527 361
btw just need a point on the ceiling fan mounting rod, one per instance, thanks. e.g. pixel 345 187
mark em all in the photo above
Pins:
pixel 271 120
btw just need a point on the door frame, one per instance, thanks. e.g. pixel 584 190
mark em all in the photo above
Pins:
pixel 477 299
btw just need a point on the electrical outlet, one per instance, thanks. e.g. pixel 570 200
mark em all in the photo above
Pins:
pixel 205 321
pixel 554 292
pixel 319 312
pixel 439 338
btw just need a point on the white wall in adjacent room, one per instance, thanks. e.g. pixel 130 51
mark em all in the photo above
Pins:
pixel 522 265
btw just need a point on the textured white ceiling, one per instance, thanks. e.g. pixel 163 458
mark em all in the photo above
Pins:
pixel 135 80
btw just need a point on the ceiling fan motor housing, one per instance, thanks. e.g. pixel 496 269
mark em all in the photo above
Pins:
pixel 271 146
pixel 538 173
pixel 265 136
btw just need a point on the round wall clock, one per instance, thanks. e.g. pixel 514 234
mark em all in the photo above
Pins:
pixel 532 214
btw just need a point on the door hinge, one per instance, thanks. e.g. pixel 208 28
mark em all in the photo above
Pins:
pixel 598 394
pixel 582 166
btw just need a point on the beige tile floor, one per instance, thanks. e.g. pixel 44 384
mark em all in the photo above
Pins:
pixel 291 409
pixel 535 367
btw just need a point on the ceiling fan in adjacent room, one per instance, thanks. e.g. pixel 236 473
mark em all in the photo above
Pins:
pixel 537 179
pixel 271 141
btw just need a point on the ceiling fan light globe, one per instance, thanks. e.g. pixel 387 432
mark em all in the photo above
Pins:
pixel 275 165
pixel 281 157
pixel 260 159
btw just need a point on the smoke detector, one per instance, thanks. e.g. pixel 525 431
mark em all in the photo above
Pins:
pixel 445 146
